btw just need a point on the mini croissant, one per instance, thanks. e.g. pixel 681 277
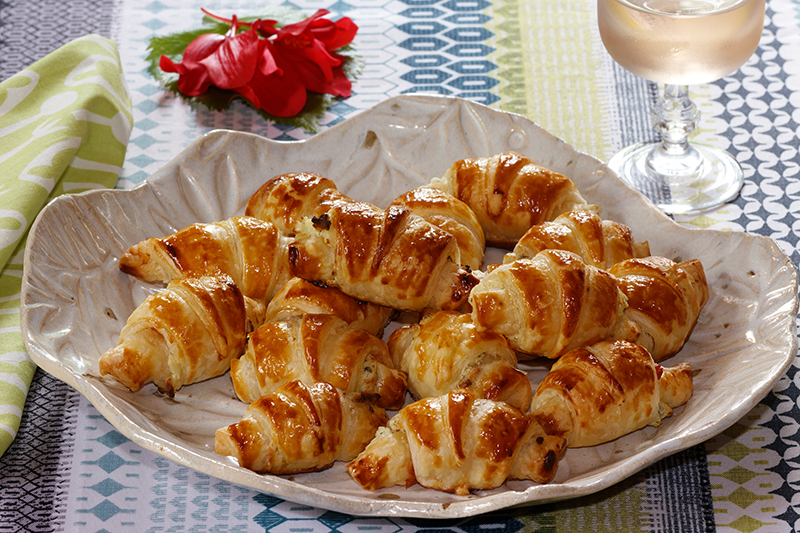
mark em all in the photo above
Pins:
pixel 286 199
pixel 315 348
pixel 301 428
pixel 552 303
pixel 664 299
pixel 601 392
pixel 300 297
pixel 509 193
pixel 600 243
pixel 446 351
pixel 392 258
pixel 447 212
pixel 456 443
pixel 252 252
pixel 187 333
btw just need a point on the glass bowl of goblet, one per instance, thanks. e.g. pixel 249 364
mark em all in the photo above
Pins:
pixel 679 43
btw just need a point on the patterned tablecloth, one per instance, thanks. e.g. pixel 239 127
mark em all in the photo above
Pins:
pixel 69 469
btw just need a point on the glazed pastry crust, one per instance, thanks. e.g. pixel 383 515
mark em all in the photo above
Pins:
pixel 286 199
pixel 446 352
pixel 392 258
pixel 252 252
pixel 447 212
pixel 457 443
pixel 300 297
pixel 664 298
pixel 316 348
pixel 187 333
pixel 601 392
pixel 300 428
pixel 552 303
pixel 600 243
pixel 509 193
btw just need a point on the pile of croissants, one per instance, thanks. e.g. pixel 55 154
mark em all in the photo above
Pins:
pixel 292 300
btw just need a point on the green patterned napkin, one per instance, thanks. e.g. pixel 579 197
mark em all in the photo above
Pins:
pixel 65 122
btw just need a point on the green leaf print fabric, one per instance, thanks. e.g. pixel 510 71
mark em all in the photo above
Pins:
pixel 65 122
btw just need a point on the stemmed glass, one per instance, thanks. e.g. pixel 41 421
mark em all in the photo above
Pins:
pixel 680 43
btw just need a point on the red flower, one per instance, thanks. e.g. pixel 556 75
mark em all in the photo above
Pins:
pixel 193 79
pixel 280 93
pixel 309 44
pixel 233 62
pixel 227 61
pixel 274 72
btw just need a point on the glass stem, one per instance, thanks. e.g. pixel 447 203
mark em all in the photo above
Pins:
pixel 675 116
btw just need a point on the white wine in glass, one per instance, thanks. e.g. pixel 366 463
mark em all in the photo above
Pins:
pixel 680 43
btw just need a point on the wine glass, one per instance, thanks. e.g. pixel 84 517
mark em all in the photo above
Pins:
pixel 680 43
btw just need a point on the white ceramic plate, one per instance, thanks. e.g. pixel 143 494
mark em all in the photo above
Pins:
pixel 75 300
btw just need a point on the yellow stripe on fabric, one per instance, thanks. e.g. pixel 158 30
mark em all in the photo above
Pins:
pixel 622 507
pixel 550 68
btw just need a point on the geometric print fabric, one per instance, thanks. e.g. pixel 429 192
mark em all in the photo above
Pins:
pixel 439 47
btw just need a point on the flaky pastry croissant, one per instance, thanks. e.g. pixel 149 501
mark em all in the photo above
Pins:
pixel 315 348
pixel 447 212
pixel 509 193
pixel 601 392
pixel 252 252
pixel 392 258
pixel 286 199
pixel 186 333
pixel 300 297
pixel 551 303
pixel 600 243
pixel 664 299
pixel 300 428
pixel 446 351
pixel 457 443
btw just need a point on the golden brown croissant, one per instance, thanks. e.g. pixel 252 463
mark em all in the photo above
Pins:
pixel 286 199
pixel 252 252
pixel 301 428
pixel 509 193
pixel 664 299
pixel 316 348
pixel 447 212
pixel 600 243
pixel 301 297
pixel 457 443
pixel 446 352
pixel 392 258
pixel 552 303
pixel 601 392
pixel 186 333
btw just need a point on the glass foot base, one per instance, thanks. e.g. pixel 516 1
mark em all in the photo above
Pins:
pixel 717 181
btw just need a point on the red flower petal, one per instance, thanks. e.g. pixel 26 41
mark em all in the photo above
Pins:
pixel 315 80
pixel 282 93
pixel 166 64
pixel 193 80
pixel 299 28
pixel 347 30
pixel 335 35
pixel 248 92
pixel 266 62
pixel 266 27
pixel 314 53
pixel 234 61
pixel 202 47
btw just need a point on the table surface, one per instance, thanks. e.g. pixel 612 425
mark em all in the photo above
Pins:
pixel 69 469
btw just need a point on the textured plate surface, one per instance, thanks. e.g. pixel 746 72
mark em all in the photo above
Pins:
pixel 75 300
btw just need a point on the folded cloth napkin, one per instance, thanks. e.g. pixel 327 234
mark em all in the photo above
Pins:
pixel 65 122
